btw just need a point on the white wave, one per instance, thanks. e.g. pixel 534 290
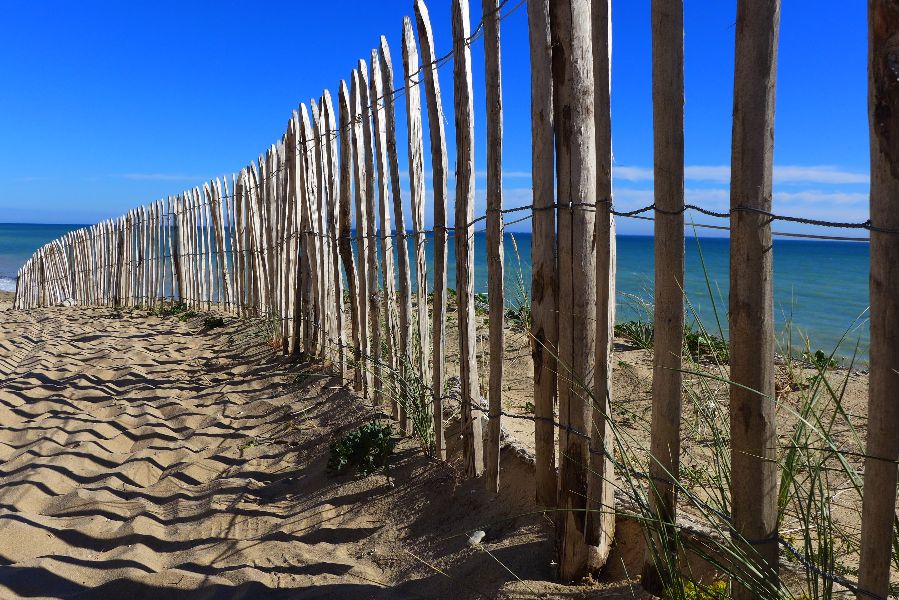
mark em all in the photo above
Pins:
pixel 7 284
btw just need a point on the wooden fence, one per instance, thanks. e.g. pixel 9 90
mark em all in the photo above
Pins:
pixel 276 240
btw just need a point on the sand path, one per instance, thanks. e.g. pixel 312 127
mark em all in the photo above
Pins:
pixel 145 457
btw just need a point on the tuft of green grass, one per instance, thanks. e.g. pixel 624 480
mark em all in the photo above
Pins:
pixel 699 344
pixel 518 309
pixel 365 450
pixel 211 322
pixel 639 333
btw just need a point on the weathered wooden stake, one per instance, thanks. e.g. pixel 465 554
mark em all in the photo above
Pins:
pixel 495 270
pixel 753 432
pixel 472 437
pixel 576 177
pixel 667 379
pixel 345 245
pixel 405 276
pixel 438 168
pixel 601 484
pixel 417 196
pixel 879 503
pixel 544 285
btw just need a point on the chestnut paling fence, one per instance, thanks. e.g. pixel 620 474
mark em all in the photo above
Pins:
pixel 277 240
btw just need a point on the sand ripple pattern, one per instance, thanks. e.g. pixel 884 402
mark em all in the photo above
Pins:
pixel 142 458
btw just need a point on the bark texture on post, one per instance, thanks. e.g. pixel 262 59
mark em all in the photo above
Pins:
pixel 576 183
pixel 472 439
pixel 753 432
pixel 668 317
pixel 402 251
pixel 345 244
pixel 417 196
pixel 544 326
pixel 362 233
pixel 438 167
pixel 495 271
pixel 879 503
pixel 601 483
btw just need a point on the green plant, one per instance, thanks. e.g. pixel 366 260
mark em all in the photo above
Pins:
pixel 518 310
pixel 819 456
pixel 365 449
pixel 211 322
pixel 713 591
pixel 820 360
pixel 481 305
pixel 639 333
pixel 698 343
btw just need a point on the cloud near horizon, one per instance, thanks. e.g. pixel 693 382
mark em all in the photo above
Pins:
pixel 816 174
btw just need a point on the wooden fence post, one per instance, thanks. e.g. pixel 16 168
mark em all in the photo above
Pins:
pixel 495 267
pixel 472 437
pixel 544 326
pixel 386 237
pixel 879 503
pixel 345 244
pixel 331 129
pixel 371 257
pixel 576 177
pixel 438 169
pixel 402 251
pixel 362 240
pixel 668 318
pixel 417 197
pixel 753 432
pixel 601 483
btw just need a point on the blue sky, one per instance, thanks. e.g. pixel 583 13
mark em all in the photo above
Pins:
pixel 108 105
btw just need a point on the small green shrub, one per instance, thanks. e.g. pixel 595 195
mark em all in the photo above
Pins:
pixel 701 344
pixel 819 360
pixel 212 322
pixel 639 333
pixel 481 304
pixel 365 449
pixel 714 591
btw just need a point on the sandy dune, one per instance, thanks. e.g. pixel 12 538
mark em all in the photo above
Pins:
pixel 143 457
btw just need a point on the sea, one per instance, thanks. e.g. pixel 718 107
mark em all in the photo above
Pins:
pixel 820 287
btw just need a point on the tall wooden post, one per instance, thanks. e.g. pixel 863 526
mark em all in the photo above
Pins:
pixel 495 271
pixel 417 195
pixel 576 183
pixel 388 272
pixel 472 438
pixel 362 233
pixel 402 251
pixel 879 503
pixel 345 244
pixel 753 431
pixel 601 482
pixel 544 327
pixel 438 168
pixel 667 379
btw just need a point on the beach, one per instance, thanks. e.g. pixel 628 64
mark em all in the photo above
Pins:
pixel 146 455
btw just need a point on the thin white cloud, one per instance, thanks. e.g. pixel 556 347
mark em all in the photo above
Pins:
pixel 820 174
pixel 632 173
pixel 162 177
pixel 818 197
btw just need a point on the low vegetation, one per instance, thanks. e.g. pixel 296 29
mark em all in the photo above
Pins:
pixel 363 450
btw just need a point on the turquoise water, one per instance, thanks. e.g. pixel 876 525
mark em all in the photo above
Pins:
pixel 820 287
pixel 18 242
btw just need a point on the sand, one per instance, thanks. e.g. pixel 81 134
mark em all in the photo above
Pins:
pixel 146 457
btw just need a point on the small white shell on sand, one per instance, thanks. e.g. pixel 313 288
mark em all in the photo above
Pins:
pixel 475 538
